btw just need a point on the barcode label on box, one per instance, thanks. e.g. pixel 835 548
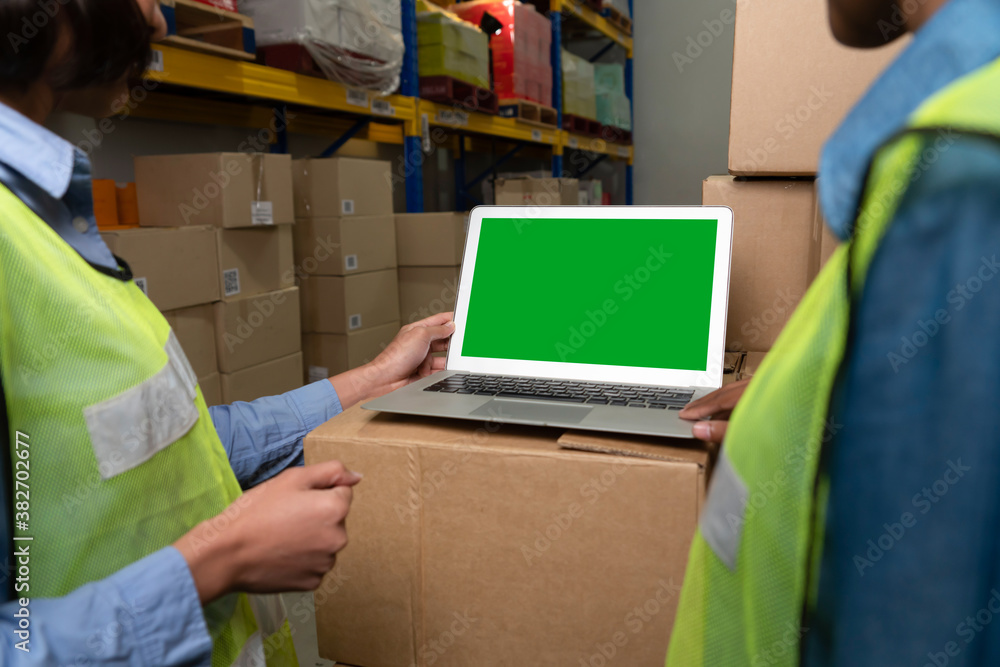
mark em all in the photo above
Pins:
pixel 574 142
pixel 354 322
pixel 536 135
pixel 383 108
pixel 262 213
pixel 141 284
pixel 357 98
pixel 452 117
pixel 347 206
pixel 425 133
pixel 351 263
pixel 156 62
pixel 231 282
pixel 317 373
pixel 623 151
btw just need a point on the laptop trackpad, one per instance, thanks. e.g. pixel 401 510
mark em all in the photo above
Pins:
pixel 505 410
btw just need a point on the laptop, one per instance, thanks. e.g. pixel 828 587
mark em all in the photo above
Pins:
pixel 598 318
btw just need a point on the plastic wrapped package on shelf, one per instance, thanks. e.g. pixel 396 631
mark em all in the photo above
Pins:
pixel 355 42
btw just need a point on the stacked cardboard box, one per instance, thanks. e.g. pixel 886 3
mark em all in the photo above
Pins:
pixel 614 108
pixel 537 192
pixel 522 56
pixel 449 46
pixel 579 88
pixel 215 255
pixel 780 242
pixel 345 247
pixel 430 248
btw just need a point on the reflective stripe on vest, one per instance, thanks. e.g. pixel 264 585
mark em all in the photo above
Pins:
pixel 123 456
pixel 754 560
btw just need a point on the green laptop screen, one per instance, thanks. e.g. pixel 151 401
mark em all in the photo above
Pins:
pixel 614 292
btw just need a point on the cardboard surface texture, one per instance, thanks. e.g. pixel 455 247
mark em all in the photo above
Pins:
pixel 335 187
pixel 341 246
pixel 499 543
pixel 751 364
pixel 326 355
pixel 271 378
pixel 220 189
pixel 775 254
pixel 176 268
pixel 431 239
pixel 332 304
pixel 211 389
pixel 792 85
pixel 195 330
pixel 255 261
pixel 255 329
pixel 537 192
pixel 426 291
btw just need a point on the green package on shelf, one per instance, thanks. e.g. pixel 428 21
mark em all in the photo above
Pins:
pixel 609 79
pixel 463 37
pixel 442 61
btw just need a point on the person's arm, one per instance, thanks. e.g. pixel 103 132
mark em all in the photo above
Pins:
pixel 146 614
pixel 264 437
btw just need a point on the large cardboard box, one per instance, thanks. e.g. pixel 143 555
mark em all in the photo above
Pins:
pixel 775 254
pixel 335 187
pixel 333 304
pixel 255 329
pixel 220 189
pixel 431 239
pixel 793 84
pixel 473 544
pixel 255 261
pixel 327 355
pixel 195 330
pixel 272 378
pixel 176 268
pixel 211 389
pixel 426 291
pixel 750 364
pixel 341 246
pixel 537 192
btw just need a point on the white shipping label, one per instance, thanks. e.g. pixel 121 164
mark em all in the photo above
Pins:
pixel 141 284
pixel 351 263
pixel 536 135
pixel 623 151
pixel 354 322
pixel 574 142
pixel 231 282
pixel 357 98
pixel 453 117
pixel 347 206
pixel 425 133
pixel 262 213
pixel 156 62
pixel 318 373
pixel 383 108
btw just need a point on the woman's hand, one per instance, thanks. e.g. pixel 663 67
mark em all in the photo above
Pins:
pixel 407 359
pixel 716 407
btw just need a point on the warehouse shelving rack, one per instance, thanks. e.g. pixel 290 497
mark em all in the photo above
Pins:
pixel 193 87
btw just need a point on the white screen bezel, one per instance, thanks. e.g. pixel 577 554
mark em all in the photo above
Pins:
pixel 712 378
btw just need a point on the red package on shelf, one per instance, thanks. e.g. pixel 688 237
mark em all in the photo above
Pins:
pixel 228 5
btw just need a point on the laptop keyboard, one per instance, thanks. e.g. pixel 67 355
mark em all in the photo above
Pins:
pixel 565 391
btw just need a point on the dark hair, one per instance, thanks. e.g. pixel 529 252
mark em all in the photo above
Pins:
pixel 109 39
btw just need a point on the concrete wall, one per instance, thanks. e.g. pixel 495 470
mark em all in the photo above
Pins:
pixel 683 75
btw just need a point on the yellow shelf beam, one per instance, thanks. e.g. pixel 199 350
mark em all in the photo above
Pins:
pixel 595 21
pixel 592 145
pixel 442 115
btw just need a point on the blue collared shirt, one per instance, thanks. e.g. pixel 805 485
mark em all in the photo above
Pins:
pixel 148 613
pixel 910 569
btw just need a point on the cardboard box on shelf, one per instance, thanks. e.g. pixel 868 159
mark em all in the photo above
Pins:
pixel 750 364
pixel 537 192
pixel 255 261
pixel 792 85
pixel 333 304
pixel 828 241
pixel 220 189
pixel 545 517
pixel 271 378
pixel 255 329
pixel 327 355
pixel 211 389
pixel 195 330
pixel 431 239
pixel 176 268
pixel 775 254
pixel 426 291
pixel 105 200
pixel 336 187
pixel 341 246
pixel 127 199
